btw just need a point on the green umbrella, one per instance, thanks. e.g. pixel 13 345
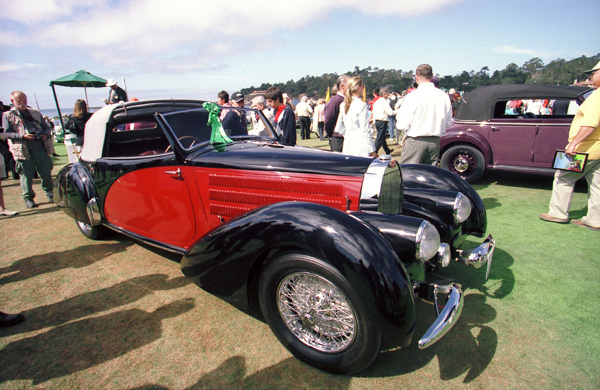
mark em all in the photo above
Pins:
pixel 80 78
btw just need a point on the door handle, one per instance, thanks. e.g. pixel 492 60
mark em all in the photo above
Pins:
pixel 494 128
pixel 175 173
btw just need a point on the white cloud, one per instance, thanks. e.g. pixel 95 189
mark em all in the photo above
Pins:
pixel 11 66
pixel 176 34
pixel 507 49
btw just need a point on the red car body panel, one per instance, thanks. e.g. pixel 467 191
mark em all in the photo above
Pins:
pixel 163 205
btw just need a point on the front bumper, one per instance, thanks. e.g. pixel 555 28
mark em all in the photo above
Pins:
pixel 449 315
pixel 480 255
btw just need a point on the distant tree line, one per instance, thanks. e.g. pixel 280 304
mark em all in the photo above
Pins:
pixel 534 71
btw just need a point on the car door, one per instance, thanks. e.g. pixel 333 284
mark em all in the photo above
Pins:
pixel 512 141
pixel 552 134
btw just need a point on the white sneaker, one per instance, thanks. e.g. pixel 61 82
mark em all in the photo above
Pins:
pixel 8 213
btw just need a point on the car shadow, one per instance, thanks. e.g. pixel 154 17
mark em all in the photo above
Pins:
pixel 79 257
pixel 467 349
pixel 82 344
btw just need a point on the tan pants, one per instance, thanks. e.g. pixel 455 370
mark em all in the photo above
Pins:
pixel 562 191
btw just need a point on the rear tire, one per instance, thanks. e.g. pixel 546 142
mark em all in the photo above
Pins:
pixel 465 161
pixel 317 315
pixel 91 232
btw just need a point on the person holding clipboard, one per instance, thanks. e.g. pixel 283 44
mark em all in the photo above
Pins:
pixel 584 137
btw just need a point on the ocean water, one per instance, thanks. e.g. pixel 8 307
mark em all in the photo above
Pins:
pixel 53 112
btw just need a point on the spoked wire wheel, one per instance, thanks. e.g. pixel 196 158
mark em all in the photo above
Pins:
pixel 316 312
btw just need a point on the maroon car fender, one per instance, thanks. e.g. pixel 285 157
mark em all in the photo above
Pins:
pixel 228 261
pixel 463 134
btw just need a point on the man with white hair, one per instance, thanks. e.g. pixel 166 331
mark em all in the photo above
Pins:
pixel 303 112
pixel 258 127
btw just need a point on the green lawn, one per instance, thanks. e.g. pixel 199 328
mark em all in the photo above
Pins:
pixel 114 314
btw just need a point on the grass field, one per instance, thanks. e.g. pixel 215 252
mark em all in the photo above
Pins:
pixel 114 314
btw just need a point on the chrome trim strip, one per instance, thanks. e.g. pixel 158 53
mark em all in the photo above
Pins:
pixel 93 212
pixel 446 320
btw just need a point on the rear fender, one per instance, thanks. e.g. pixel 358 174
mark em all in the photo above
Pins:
pixel 227 261
pixel 77 194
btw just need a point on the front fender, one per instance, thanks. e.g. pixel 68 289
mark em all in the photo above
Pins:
pixel 464 135
pixel 226 260
pixel 418 176
pixel 75 190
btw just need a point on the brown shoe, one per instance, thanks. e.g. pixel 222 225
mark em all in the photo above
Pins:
pixel 550 218
pixel 579 222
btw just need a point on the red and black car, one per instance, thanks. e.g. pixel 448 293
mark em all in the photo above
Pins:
pixel 332 249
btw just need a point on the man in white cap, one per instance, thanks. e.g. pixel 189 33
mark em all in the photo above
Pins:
pixel 116 94
pixel 584 137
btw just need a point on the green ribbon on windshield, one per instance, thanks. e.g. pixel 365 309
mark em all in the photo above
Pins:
pixel 217 136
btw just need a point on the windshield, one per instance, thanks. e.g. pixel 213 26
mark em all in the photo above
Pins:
pixel 191 127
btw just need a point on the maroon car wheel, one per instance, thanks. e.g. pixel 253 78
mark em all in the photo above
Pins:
pixel 465 161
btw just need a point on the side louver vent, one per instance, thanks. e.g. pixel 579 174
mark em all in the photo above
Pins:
pixel 231 195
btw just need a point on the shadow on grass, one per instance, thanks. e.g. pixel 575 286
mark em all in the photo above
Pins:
pixel 79 257
pixel 287 374
pixel 522 180
pixel 79 345
pixel 93 302
pixel 468 348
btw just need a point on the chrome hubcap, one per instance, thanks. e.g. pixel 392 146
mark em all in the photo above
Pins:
pixel 316 312
pixel 461 164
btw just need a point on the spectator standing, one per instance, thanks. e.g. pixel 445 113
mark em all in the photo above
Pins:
pixel 30 142
pixel 116 93
pixel 303 112
pixel 392 99
pixel 234 121
pixel 353 121
pixel 381 113
pixel 287 100
pixel 77 121
pixel 584 137
pixel 424 116
pixel 331 113
pixel 285 119
pixel 258 127
pixel 319 117
pixel 223 101
pixel 4 212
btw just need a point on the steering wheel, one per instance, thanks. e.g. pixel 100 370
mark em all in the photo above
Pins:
pixel 194 139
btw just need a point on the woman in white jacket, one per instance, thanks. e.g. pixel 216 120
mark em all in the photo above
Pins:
pixel 353 122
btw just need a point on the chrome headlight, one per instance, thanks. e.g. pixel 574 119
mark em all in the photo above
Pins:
pixel 462 208
pixel 427 241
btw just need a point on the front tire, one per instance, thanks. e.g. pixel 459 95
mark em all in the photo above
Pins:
pixel 317 315
pixel 91 232
pixel 465 161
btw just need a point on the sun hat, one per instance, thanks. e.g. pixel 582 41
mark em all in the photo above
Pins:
pixel 110 82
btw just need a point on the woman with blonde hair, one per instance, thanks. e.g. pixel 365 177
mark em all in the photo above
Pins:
pixel 353 121
pixel 77 121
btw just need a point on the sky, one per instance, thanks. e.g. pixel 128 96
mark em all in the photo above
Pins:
pixel 196 48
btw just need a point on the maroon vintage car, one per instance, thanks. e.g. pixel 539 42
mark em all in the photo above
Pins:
pixel 509 127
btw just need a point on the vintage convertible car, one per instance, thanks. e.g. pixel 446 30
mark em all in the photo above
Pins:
pixel 509 127
pixel 332 249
